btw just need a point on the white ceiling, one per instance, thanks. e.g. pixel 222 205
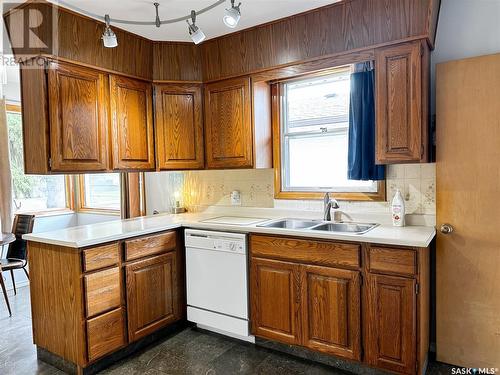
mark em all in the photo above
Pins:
pixel 254 12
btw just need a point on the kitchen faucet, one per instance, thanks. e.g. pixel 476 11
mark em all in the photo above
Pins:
pixel 328 204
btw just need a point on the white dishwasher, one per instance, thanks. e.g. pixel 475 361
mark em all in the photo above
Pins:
pixel 217 282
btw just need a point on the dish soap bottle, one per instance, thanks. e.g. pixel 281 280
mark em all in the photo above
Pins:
pixel 398 210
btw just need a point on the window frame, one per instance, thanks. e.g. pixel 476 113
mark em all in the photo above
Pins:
pixel 68 183
pixel 81 207
pixel 277 96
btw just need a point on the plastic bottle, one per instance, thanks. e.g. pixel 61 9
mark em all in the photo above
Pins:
pixel 398 210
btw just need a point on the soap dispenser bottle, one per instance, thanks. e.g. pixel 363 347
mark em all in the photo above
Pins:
pixel 398 210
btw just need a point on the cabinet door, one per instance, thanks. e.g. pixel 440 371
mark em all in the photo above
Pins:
pixel 391 323
pixel 399 103
pixel 78 102
pixel 275 300
pixel 132 124
pixel 228 124
pixel 179 126
pixel 152 294
pixel 331 311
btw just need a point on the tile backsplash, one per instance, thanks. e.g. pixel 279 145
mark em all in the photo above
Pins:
pixel 417 182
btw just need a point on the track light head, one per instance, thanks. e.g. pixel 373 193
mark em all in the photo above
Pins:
pixel 232 16
pixel 196 34
pixel 109 38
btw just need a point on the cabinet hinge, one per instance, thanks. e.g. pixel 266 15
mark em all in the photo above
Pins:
pixel 422 150
pixel 50 162
pixel 417 288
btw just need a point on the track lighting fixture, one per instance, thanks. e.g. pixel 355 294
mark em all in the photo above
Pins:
pixel 232 15
pixel 108 36
pixel 195 32
pixel 231 18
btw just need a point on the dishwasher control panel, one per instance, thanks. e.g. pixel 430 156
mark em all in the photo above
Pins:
pixel 227 242
pixel 228 245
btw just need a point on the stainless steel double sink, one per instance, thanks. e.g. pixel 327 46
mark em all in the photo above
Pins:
pixel 318 225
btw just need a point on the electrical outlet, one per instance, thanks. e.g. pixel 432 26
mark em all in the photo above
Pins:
pixel 235 198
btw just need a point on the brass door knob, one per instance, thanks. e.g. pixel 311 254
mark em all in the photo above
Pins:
pixel 446 228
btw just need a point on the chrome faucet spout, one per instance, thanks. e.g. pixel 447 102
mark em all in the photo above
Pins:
pixel 328 204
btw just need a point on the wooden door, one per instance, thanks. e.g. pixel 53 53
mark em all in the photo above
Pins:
pixel 152 294
pixel 131 124
pixel 390 320
pixel 78 110
pixel 275 300
pixel 331 311
pixel 398 104
pixel 228 124
pixel 179 126
pixel 468 191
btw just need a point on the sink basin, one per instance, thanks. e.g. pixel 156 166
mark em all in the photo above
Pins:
pixel 290 224
pixel 356 228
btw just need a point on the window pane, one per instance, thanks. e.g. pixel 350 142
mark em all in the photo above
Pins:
pixel 31 192
pixel 320 163
pixel 102 191
pixel 318 101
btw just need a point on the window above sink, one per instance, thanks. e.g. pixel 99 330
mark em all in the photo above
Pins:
pixel 313 139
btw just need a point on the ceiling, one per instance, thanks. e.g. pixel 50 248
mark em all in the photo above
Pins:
pixel 254 12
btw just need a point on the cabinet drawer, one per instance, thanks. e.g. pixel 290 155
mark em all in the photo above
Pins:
pixel 102 291
pixel 151 245
pixel 105 334
pixel 392 261
pixel 306 251
pixel 101 257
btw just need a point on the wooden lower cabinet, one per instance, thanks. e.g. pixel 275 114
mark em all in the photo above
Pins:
pixel 276 300
pixel 331 310
pixel 375 311
pixel 317 307
pixel 152 297
pixel 391 317
pixel 88 303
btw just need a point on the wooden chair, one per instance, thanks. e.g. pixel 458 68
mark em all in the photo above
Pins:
pixel 17 253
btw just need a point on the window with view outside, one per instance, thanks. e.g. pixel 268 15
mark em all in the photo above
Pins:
pixel 101 191
pixel 31 193
pixel 314 132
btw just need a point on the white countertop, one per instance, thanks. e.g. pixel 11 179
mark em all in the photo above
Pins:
pixel 95 234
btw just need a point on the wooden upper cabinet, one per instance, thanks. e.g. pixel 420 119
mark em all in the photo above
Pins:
pixel 131 124
pixel 228 124
pixel 153 294
pixel 78 113
pixel 275 300
pixel 402 103
pixel 331 311
pixel 391 323
pixel 179 126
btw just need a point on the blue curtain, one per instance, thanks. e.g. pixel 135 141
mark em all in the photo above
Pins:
pixel 361 154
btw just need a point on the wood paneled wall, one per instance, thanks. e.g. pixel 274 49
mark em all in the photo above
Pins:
pixel 78 38
pixel 340 28
pixel 176 62
pixel 345 26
